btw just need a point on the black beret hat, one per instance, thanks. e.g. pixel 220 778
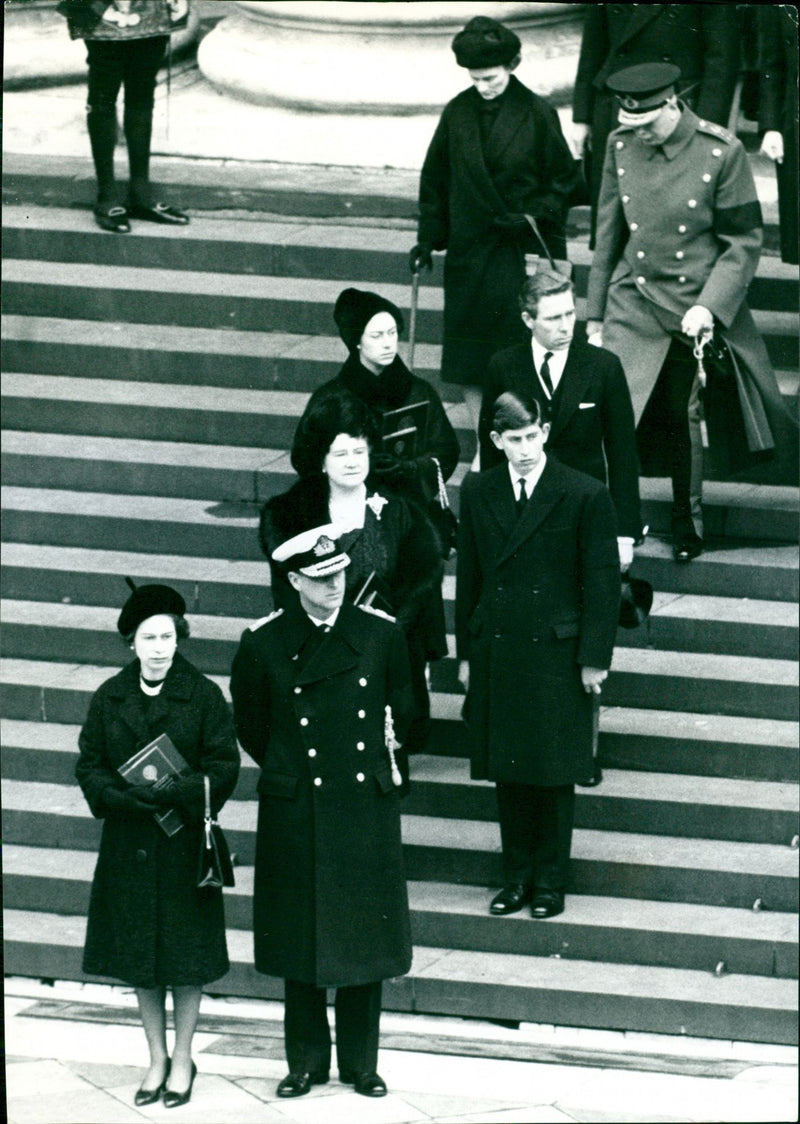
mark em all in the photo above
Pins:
pixel 149 601
pixel 355 308
pixel 484 42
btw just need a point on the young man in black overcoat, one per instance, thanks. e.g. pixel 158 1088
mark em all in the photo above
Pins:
pixel 537 605
pixel 321 691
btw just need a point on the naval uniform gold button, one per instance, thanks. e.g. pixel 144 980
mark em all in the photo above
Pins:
pixel 681 229
pixel 362 714
pixel 298 690
pixel 634 226
pixel 362 682
pixel 360 745
pixel 303 721
pixel 317 781
pixel 679 255
pixel 360 777
pixel 692 202
pixel 312 753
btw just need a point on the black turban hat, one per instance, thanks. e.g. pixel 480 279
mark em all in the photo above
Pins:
pixel 483 43
pixel 149 601
pixel 355 308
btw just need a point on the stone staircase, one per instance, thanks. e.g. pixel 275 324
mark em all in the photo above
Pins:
pixel 151 391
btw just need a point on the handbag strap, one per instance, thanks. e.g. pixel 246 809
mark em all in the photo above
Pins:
pixel 535 228
pixel 444 501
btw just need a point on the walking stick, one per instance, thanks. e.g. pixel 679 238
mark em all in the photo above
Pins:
pixel 412 323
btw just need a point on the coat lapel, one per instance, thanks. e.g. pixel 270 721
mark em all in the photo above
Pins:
pixel 509 121
pixel 499 498
pixel 547 493
pixel 338 652
pixel 574 381
pixel 474 163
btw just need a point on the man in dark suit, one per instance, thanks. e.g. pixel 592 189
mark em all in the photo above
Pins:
pixel 537 604
pixel 582 389
pixel 317 688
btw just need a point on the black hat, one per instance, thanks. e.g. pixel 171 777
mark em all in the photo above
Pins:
pixel 636 602
pixel 643 90
pixel 355 308
pixel 149 601
pixel 315 553
pixel 484 42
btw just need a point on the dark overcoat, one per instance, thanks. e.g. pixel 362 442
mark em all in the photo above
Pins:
pixel 471 201
pixel 393 389
pixel 679 225
pixel 148 923
pixel 330 900
pixel 701 39
pixel 537 598
pixel 778 109
pixel 591 426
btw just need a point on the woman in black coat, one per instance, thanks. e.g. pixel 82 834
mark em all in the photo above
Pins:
pixel 395 557
pixel 148 923
pixel 498 154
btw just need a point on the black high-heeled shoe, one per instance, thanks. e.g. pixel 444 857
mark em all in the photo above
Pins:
pixel 150 1096
pixel 175 1100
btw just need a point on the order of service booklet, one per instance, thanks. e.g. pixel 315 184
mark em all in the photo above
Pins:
pixel 155 765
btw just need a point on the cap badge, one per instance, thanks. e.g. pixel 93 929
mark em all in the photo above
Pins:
pixel 629 102
pixel 324 546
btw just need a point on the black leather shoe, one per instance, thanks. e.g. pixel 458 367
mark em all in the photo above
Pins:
pixel 547 903
pixel 298 1084
pixel 113 219
pixel 511 899
pixel 367 1084
pixel 159 212
pixel 594 780
pixel 687 547
pixel 175 1100
pixel 150 1096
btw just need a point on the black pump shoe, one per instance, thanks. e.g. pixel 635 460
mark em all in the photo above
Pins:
pixel 159 212
pixel 114 219
pixel 175 1100
pixel 150 1096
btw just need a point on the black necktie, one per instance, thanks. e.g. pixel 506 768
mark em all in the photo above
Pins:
pixel 523 497
pixel 544 373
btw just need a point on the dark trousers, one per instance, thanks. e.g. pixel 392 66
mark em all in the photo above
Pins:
pixel 133 63
pixel 307 1034
pixel 536 832
pixel 675 403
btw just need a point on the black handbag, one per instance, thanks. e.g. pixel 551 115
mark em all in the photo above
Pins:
pixel 215 868
pixel 441 515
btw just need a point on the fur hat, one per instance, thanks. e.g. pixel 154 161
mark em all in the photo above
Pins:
pixel 149 601
pixel 483 43
pixel 355 308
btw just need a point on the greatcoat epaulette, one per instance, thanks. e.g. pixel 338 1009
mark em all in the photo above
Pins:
pixel 719 132
pixel 378 613
pixel 265 620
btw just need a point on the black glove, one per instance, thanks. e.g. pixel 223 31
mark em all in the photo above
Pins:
pixel 126 800
pixel 421 257
pixel 157 796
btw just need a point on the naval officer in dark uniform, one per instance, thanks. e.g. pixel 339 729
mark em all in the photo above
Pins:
pixel 679 234
pixel 322 697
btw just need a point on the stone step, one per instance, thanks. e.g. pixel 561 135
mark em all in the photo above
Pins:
pixel 44 629
pixel 705 682
pixel 375 253
pixel 203 356
pixel 246 302
pixel 669 804
pixel 488 985
pixel 195 470
pixel 606 929
pixel 615 863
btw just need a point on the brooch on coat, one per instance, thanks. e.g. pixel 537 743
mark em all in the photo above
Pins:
pixel 376 503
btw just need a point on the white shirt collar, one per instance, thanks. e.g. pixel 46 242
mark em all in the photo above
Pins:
pixel 558 360
pixel 531 480
pixel 330 622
